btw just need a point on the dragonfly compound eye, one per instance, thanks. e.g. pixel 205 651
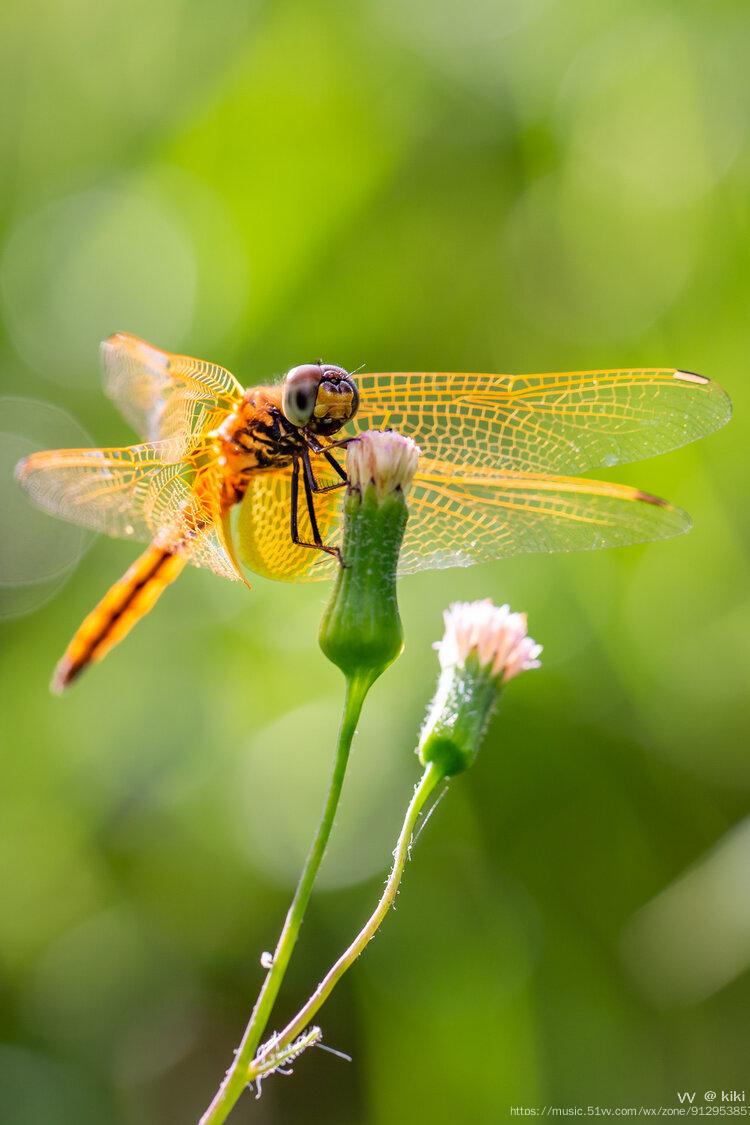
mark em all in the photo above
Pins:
pixel 300 393
pixel 320 397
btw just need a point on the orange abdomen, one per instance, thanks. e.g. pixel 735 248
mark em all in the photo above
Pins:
pixel 121 607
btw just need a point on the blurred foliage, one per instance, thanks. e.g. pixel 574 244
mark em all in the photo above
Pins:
pixel 536 184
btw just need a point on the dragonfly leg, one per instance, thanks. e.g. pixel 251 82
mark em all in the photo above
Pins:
pixel 317 544
pixel 343 442
pixel 334 463
pixel 310 475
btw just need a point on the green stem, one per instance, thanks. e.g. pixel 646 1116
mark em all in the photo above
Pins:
pixel 236 1078
pixel 430 778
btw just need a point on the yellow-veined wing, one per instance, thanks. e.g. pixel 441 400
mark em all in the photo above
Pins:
pixel 261 528
pixel 458 517
pixel 136 492
pixel 556 423
pixel 166 397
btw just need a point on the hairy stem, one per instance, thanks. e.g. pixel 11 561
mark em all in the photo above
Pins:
pixel 237 1076
pixel 430 778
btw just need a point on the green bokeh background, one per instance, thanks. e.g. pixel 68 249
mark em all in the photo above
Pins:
pixel 513 186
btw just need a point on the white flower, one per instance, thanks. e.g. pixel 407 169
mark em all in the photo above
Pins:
pixel 385 459
pixel 482 648
pixel 497 637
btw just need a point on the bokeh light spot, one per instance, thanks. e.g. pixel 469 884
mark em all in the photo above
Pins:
pixel 90 265
pixel 694 937
pixel 596 267
pixel 282 786
pixel 642 114
pixel 37 552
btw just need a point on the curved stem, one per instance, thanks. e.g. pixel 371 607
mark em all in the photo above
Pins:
pixel 430 778
pixel 237 1076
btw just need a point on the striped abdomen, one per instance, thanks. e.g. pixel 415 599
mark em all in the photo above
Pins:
pixel 121 607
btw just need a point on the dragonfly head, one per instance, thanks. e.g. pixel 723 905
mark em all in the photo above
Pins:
pixel 319 397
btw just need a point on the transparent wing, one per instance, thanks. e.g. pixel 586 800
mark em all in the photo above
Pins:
pixel 565 423
pixel 262 534
pixel 166 397
pixel 457 518
pixel 135 493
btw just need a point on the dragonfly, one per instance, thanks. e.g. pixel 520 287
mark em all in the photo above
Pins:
pixel 237 479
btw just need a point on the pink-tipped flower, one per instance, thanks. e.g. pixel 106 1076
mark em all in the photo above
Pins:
pixel 497 637
pixel 386 460
pixel 483 647
pixel 361 630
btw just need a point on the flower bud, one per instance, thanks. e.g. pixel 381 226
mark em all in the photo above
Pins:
pixel 483 647
pixel 361 630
